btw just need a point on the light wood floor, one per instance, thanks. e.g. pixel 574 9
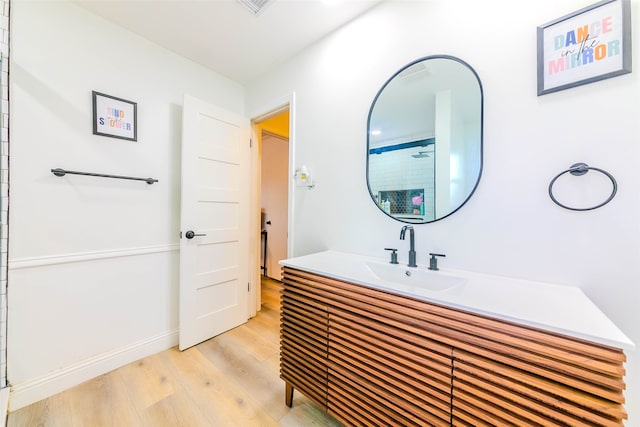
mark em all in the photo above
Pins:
pixel 230 380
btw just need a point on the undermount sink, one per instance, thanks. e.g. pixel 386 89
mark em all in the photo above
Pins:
pixel 415 276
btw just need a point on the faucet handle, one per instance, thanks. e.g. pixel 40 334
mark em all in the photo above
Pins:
pixel 433 261
pixel 394 255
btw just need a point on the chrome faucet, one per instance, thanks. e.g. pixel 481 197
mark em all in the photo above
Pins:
pixel 412 243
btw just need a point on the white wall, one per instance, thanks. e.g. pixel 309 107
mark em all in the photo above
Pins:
pixel 93 262
pixel 510 226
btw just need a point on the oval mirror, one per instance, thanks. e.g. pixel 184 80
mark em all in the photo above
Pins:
pixel 424 140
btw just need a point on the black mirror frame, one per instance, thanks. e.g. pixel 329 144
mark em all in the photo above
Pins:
pixel 373 103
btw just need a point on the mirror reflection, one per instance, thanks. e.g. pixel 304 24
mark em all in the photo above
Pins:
pixel 424 140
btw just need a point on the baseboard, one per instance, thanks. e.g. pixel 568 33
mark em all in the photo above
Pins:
pixel 32 391
pixel 4 405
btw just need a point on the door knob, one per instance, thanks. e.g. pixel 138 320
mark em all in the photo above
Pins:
pixel 190 234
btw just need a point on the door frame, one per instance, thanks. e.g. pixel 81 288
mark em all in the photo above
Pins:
pixel 272 108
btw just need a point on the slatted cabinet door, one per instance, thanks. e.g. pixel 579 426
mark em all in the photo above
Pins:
pixel 490 392
pixel 380 374
pixel 510 374
pixel 304 340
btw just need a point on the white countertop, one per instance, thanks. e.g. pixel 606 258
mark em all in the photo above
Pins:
pixel 562 309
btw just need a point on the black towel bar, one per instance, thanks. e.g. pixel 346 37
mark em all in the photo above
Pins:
pixel 62 172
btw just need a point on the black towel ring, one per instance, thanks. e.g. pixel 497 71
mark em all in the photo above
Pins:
pixel 579 169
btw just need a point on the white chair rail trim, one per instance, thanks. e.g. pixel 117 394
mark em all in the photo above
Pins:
pixel 15 264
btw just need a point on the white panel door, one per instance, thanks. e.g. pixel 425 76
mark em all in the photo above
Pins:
pixel 214 222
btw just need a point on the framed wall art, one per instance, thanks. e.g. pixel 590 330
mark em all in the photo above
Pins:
pixel 114 117
pixel 585 46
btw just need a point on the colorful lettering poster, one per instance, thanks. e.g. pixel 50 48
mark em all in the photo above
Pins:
pixel 588 45
pixel 114 117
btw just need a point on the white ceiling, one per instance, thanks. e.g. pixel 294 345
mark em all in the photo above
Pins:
pixel 224 35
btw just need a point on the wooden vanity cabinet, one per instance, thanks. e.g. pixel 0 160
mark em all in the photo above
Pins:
pixel 371 357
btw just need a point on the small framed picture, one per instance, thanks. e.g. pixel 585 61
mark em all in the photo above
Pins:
pixel 114 117
pixel 585 46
